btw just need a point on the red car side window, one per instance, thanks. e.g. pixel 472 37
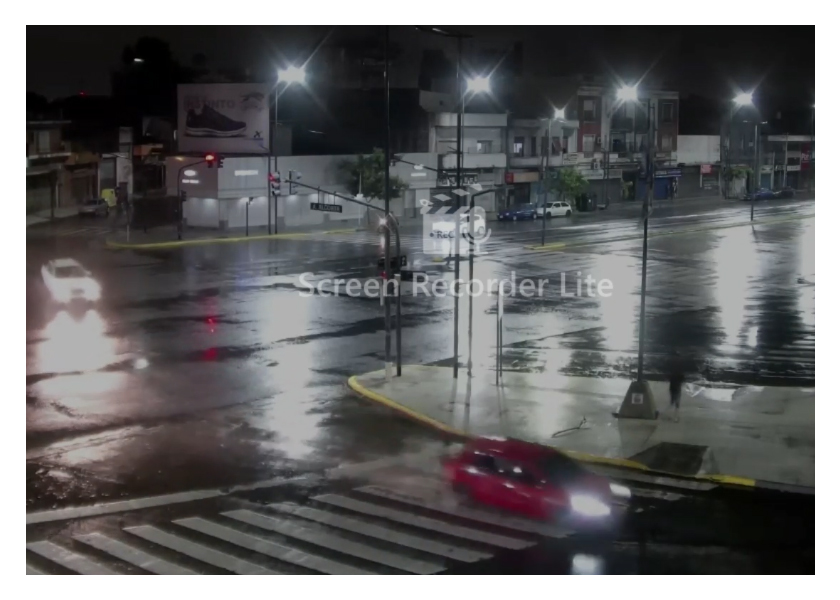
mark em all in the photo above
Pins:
pixel 484 462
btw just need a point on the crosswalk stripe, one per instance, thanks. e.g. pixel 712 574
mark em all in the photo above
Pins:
pixel 284 553
pixel 75 562
pixel 315 535
pixel 467 513
pixel 378 532
pixel 132 555
pixel 199 551
pixel 30 570
pixel 400 516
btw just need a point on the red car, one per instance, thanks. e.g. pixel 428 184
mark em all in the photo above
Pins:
pixel 527 478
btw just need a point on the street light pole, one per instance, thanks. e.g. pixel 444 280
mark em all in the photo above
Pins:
pixel 387 188
pixel 648 200
pixel 757 173
pixel 545 182
pixel 458 157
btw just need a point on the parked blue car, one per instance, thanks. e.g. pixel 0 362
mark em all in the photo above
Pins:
pixel 520 212
pixel 761 194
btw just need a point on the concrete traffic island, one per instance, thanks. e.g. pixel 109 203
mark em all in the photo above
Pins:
pixel 752 436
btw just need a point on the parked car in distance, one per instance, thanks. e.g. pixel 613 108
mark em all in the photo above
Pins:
pixel 95 207
pixel 786 192
pixel 527 478
pixel 519 212
pixel 760 194
pixel 555 209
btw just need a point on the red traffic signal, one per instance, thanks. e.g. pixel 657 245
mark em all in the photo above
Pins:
pixel 210 159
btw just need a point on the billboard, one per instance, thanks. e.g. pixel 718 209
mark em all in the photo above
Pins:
pixel 223 117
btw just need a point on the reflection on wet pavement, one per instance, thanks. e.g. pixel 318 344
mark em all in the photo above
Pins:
pixel 204 366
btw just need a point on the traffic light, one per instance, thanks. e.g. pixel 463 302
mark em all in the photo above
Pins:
pixel 220 161
pixel 210 159
pixel 293 176
pixel 274 180
pixel 183 196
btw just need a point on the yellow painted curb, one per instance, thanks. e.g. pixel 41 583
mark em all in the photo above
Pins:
pixel 205 241
pixel 338 231
pixel 625 463
pixel 371 395
pixel 561 245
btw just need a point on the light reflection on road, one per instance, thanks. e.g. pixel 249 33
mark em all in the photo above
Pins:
pixel 75 344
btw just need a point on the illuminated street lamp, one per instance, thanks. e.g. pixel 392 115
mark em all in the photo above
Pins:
pixel 739 101
pixel 477 85
pixel 628 93
pixel 290 75
pixel 743 99
pixel 559 115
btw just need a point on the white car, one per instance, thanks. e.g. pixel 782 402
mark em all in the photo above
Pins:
pixel 556 209
pixel 67 280
pixel 444 229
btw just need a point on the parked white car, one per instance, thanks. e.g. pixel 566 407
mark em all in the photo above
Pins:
pixel 67 280
pixel 556 209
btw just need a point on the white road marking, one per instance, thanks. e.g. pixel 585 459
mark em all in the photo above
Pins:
pixel 316 535
pixel 76 512
pixel 199 552
pixel 272 549
pixel 382 533
pixel 407 518
pixel 132 555
pixel 95 510
pixel 467 512
pixel 64 557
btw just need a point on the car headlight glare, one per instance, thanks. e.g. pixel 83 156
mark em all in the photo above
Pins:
pixel 620 491
pixel 588 506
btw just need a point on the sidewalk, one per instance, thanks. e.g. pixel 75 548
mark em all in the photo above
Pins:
pixel 747 435
pixel 167 236
pixel 44 216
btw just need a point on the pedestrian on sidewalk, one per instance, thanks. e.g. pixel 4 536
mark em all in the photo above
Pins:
pixel 676 378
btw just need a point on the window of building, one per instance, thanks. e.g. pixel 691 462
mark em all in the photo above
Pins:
pixel 519 146
pixel 589 110
pixel 667 112
pixel 589 143
pixel 556 147
pixel 484 147
pixel 543 145
pixel 666 143
pixel 533 145
pixel 43 145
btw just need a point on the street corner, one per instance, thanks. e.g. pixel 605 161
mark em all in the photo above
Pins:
pixel 377 387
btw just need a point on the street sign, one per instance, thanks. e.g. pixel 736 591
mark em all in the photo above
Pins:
pixel 336 208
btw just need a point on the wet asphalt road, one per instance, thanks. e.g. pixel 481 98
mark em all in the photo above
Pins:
pixel 204 366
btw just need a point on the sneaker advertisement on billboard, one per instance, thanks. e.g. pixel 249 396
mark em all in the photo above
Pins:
pixel 223 117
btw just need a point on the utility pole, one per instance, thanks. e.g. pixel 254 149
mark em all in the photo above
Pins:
pixel 757 177
pixel 387 188
pixel 545 180
pixel 458 178
pixel 648 200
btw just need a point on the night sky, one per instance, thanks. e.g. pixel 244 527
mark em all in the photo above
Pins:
pixel 710 61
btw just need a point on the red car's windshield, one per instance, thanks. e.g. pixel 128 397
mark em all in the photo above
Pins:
pixel 559 469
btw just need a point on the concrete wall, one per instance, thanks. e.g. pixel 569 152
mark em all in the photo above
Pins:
pixel 698 149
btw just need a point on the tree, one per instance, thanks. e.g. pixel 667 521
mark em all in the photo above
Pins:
pixel 736 172
pixel 566 181
pixel 366 174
